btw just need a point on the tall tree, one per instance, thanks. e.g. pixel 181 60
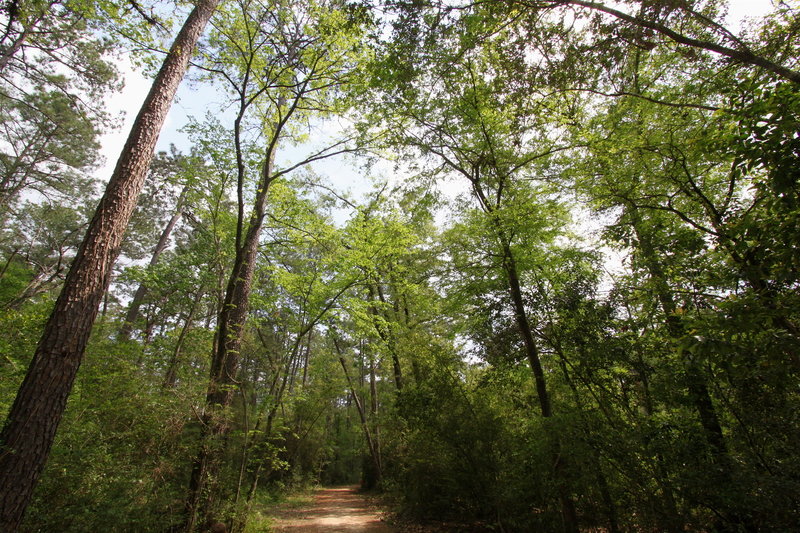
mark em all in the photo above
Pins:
pixel 473 125
pixel 31 425
pixel 285 64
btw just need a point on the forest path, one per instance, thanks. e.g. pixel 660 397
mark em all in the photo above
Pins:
pixel 334 509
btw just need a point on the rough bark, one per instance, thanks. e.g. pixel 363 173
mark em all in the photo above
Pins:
pixel 31 425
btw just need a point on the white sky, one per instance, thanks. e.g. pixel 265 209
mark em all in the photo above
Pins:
pixel 194 102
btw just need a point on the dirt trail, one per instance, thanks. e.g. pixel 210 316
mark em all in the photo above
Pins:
pixel 336 509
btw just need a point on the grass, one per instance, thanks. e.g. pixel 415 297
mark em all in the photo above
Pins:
pixel 267 504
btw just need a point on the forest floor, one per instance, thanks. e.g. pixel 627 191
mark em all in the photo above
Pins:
pixel 340 509
pixel 332 509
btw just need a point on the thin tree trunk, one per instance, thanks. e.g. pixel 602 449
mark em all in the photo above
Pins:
pixel 602 483
pixel 695 381
pixel 171 376
pixel 386 334
pixel 372 481
pixel 672 519
pixel 244 457
pixel 260 466
pixel 568 513
pixel 306 357
pixel 7 54
pixel 373 409
pixel 8 263
pixel 521 316
pixel 141 291
pixel 277 394
pixel 31 425
pixel 277 368
pixel 225 361
pixel 373 387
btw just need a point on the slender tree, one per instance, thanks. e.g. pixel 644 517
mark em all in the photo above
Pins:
pixel 372 443
pixel 468 137
pixel 291 63
pixel 141 291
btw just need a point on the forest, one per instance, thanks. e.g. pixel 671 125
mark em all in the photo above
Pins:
pixel 566 299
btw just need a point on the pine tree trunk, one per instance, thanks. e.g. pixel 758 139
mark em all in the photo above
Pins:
pixel 31 425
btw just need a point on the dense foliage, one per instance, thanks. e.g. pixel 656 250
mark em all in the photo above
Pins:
pixel 570 304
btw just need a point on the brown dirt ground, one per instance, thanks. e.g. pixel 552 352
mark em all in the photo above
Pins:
pixel 334 509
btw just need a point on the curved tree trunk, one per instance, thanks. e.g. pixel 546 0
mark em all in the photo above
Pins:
pixel 569 514
pixel 31 425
